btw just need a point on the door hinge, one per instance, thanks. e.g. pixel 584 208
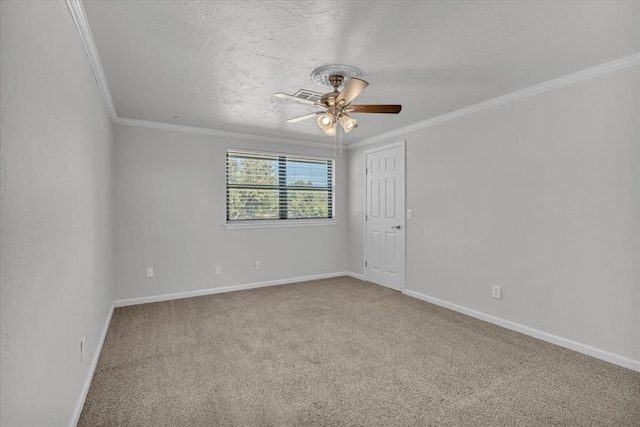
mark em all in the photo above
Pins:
pixel 366 217
pixel 366 171
pixel 365 264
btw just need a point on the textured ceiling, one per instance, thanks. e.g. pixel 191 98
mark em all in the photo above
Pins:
pixel 216 64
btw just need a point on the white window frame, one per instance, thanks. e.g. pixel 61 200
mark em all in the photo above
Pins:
pixel 280 223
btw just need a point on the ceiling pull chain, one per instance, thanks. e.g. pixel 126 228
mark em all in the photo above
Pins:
pixel 334 145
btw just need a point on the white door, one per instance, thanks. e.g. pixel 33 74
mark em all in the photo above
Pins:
pixel 385 216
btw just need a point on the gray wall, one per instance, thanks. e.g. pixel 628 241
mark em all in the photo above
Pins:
pixel 56 220
pixel 170 215
pixel 540 196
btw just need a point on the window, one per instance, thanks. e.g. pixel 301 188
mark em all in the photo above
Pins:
pixel 277 187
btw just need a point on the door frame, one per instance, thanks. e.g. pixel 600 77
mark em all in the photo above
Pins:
pixel 402 144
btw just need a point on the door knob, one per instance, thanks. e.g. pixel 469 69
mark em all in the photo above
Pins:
pixel 397 227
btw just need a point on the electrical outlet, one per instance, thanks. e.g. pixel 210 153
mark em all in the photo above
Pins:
pixel 149 272
pixel 258 265
pixel 409 213
pixel 496 292
pixel 82 350
pixel 218 270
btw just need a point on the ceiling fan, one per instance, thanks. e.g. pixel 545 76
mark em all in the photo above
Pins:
pixel 336 106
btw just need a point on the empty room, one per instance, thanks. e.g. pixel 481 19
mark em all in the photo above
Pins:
pixel 324 213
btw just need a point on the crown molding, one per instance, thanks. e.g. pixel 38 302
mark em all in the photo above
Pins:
pixel 569 79
pixel 215 132
pixel 82 25
pixel 84 30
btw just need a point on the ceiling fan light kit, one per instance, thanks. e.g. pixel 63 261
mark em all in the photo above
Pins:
pixel 336 105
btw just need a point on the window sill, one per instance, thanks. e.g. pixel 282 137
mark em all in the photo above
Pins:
pixel 237 225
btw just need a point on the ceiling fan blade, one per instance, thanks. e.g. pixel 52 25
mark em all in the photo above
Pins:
pixel 293 98
pixel 380 108
pixel 353 88
pixel 300 118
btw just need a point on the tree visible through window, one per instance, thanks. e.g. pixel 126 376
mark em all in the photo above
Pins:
pixel 264 186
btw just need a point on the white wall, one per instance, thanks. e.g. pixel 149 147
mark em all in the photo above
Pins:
pixel 56 220
pixel 170 214
pixel 540 196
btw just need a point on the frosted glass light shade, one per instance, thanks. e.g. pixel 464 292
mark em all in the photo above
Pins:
pixel 325 121
pixel 330 131
pixel 327 124
pixel 347 123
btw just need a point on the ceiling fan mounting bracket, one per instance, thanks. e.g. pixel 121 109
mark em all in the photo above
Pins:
pixel 325 76
pixel 336 80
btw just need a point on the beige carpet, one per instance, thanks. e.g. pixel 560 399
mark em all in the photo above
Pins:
pixel 341 352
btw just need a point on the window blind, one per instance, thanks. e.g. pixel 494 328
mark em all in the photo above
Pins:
pixel 268 186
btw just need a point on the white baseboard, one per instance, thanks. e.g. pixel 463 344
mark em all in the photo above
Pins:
pixel 210 291
pixel 355 275
pixel 544 336
pixel 94 364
